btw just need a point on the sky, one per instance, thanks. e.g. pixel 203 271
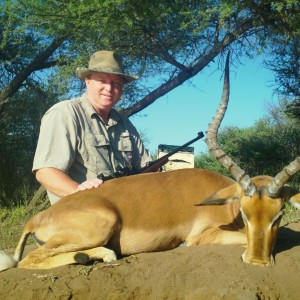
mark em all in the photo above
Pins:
pixel 177 117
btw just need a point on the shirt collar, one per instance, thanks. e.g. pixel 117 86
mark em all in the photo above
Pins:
pixel 114 117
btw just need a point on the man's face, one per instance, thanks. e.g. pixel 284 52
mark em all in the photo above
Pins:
pixel 104 90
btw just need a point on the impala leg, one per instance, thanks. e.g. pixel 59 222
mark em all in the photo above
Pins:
pixel 67 241
pixel 51 254
pixel 47 257
pixel 218 236
pixel 55 246
pixel 231 238
pixel 74 257
pixel 98 253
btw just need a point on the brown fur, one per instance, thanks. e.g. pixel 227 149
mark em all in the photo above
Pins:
pixel 152 212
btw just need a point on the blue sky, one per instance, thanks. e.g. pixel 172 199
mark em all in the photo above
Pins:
pixel 178 116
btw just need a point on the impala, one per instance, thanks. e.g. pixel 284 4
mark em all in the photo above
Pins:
pixel 160 211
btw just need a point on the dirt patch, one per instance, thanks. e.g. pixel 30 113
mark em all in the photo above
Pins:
pixel 202 272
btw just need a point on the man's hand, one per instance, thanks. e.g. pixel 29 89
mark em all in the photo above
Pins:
pixel 89 184
pixel 60 184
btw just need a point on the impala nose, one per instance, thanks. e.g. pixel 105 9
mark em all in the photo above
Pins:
pixel 259 261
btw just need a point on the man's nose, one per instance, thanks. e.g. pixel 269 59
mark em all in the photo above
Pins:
pixel 108 86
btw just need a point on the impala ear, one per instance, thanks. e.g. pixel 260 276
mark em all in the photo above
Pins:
pixel 295 201
pixel 291 195
pixel 224 196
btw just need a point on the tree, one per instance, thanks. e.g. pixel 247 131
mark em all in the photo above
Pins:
pixel 208 161
pixel 18 136
pixel 164 42
pixel 286 65
pixel 169 40
pixel 293 109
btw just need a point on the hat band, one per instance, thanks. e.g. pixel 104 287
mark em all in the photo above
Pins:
pixel 106 70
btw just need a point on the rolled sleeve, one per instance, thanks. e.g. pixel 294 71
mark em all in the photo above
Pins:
pixel 57 140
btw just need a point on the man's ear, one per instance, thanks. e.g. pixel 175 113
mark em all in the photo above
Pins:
pixel 224 196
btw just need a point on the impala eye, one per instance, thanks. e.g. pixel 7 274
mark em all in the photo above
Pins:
pixel 277 219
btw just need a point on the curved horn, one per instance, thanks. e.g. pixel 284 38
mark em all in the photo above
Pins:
pixel 282 177
pixel 211 140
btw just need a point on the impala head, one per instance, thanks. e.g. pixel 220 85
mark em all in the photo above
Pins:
pixel 261 198
pixel 261 215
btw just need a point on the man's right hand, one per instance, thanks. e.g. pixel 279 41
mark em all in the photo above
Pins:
pixel 89 184
pixel 60 184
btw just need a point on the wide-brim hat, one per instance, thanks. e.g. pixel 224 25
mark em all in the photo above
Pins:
pixel 107 62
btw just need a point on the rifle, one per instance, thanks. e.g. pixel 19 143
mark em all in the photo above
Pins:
pixel 152 166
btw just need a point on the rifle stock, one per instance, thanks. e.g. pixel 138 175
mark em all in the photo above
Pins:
pixel 155 166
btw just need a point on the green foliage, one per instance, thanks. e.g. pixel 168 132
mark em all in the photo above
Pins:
pixel 291 214
pixel 261 149
pixel 285 62
pixel 207 161
pixel 18 137
pixel 12 222
pixel 158 38
pixel 293 110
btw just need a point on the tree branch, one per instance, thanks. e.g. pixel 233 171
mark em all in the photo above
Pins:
pixel 159 46
pixel 38 63
pixel 187 73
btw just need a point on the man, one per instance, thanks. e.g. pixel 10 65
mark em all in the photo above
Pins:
pixel 83 138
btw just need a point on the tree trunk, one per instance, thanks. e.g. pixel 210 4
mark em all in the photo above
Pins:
pixel 39 201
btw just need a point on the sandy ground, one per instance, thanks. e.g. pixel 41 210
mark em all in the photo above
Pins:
pixel 202 272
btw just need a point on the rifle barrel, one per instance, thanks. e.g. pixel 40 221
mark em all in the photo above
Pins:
pixel 199 136
pixel 150 165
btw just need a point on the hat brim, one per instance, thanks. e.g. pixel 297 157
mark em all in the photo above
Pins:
pixel 82 73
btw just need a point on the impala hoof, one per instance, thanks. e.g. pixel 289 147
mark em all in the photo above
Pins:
pixel 111 257
pixel 81 258
pixel 258 261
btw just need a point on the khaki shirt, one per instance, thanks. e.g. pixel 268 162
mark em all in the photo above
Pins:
pixel 73 138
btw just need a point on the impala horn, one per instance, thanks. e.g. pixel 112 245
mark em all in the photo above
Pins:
pixel 211 140
pixel 282 177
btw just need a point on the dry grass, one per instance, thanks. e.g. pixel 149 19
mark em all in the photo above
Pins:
pixel 291 215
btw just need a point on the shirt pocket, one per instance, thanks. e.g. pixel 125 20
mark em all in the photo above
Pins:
pixel 96 140
pixel 97 147
pixel 125 146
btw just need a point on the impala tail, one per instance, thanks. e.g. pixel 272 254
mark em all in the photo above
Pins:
pixel 11 261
